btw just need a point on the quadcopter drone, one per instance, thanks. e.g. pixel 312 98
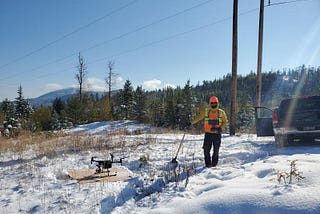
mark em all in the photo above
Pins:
pixel 105 164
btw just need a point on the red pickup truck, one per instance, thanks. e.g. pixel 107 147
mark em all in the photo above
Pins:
pixel 295 122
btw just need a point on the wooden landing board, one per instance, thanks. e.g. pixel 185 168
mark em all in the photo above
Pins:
pixel 90 176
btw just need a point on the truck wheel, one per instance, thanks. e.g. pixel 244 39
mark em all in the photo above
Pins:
pixel 281 140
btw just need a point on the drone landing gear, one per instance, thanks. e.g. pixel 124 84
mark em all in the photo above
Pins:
pixel 100 170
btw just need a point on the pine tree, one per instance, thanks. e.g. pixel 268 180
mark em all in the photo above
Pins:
pixel 139 107
pixel 245 115
pixel 126 99
pixel 2 118
pixel 58 105
pixel 158 113
pixel 169 108
pixel 8 109
pixel 105 112
pixel 156 108
pixel 75 111
pixel 55 121
pixel 187 105
pixel 42 118
pixel 92 113
pixel 23 108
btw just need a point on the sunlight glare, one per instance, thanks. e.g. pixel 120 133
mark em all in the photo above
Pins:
pixel 310 45
pixel 309 49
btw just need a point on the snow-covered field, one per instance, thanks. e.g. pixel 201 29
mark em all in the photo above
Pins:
pixel 245 180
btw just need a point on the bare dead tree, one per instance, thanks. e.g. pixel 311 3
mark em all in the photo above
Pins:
pixel 111 81
pixel 81 75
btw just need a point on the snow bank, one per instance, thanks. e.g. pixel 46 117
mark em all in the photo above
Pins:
pixel 245 180
pixel 110 126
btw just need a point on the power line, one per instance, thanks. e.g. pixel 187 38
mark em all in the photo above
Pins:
pixel 38 67
pixel 284 2
pixel 69 34
pixel 117 37
pixel 154 42
pixel 149 25
pixel 173 36
pixel 161 40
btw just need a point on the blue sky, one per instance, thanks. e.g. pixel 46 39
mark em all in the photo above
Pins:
pixel 188 40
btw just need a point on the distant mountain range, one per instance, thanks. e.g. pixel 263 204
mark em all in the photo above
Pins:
pixel 64 94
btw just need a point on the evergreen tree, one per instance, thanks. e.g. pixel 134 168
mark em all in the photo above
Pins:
pixel 139 107
pixel 75 111
pixel 126 100
pixel 8 109
pixel 105 112
pixel 23 108
pixel 187 106
pixel 42 118
pixel 158 113
pixel 55 121
pixel 2 118
pixel 245 115
pixel 58 119
pixel 91 111
pixel 169 108
pixel 58 105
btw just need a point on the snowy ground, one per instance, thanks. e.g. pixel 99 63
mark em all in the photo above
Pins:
pixel 245 180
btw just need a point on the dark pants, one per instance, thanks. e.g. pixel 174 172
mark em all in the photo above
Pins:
pixel 209 140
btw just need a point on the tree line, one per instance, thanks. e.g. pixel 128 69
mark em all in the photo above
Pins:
pixel 171 108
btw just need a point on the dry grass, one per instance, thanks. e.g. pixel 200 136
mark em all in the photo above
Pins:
pixel 52 144
pixel 23 141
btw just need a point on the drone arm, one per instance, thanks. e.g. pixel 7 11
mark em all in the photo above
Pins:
pixel 92 159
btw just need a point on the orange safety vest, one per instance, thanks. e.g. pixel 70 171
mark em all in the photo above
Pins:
pixel 212 121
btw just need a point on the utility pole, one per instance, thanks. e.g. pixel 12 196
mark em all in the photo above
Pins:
pixel 234 68
pixel 259 63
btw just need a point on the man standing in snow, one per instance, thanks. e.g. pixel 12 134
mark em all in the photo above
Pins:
pixel 215 119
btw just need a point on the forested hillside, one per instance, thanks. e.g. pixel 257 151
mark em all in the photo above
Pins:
pixel 170 108
pixel 276 85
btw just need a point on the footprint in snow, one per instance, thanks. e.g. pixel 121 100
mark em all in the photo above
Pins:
pixel 264 173
pixel 206 188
